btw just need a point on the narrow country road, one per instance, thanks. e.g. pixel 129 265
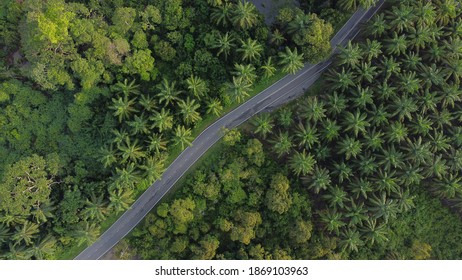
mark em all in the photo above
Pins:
pixel 277 94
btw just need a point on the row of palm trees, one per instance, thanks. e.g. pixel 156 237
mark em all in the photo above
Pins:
pixel 389 124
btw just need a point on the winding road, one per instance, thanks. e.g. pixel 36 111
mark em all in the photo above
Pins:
pixel 281 92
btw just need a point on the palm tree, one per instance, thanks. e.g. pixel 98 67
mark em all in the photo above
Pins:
pixel 447 187
pixel 361 187
pixel 437 168
pixel 390 66
pixel 374 139
pixel 383 207
pixel 154 167
pixel 379 115
pixel 188 109
pixel 246 72
pixel 139 125
pixel 401 17
pixel 9 219
pixel 404 106
pixel 25 233
pixel 119 136
pixel 350 55
pixel 302 163
pixel 342 171
pixel 299 24
pixel 378 26
pixel 268 68
pixel 332 220
pixel 356 122
pixel 409 82
pixel 4 233
pixel 450 95
pixel 366 164
pixel 167 92
pixel 148 103
pixel 439 142
pixel 356 213
pixel 127 88
pixel 366 72
pixel 404 199
pixel 313 109
pixel 239 89
pixel 319 180
pixel 125 177
pixel 351 5
pixel 371 49
pixel 277 38
pixel 95 208
pixel 374 232
pixel 197 86
pixel 123 107
pixel 385 91
pixel 250 50
pixel 131 151
pixel 362 97
pixel 387 181
pixel 426 14
pixel 285 117
pixel 44 248
pixel 282 143
pixel 224 44
pixel 290 60
pixel 244 15
pixel 120 200
pixel 411 175
pixel 350 240
pixel 163 120
pixel 182 136
pixel 221 15
pixel 397 132
pixel 336 197
pixel 307 136
pixel 42 212
pixel 331 130
pixel 15 252
pixel 214 106
pixel 397 44
pixel 447 10
pixel 420 37
pixel 263 124
pixel 156 143
pixel 350 147
pixel 86 235
pixel 341 80
pixel 336 103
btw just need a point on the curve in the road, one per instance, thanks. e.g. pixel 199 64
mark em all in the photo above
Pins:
pixel 277 94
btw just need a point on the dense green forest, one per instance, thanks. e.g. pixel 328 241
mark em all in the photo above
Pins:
pixel 365 167
pixel 97 97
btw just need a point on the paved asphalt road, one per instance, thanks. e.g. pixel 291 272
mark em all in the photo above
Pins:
pixel 279 93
